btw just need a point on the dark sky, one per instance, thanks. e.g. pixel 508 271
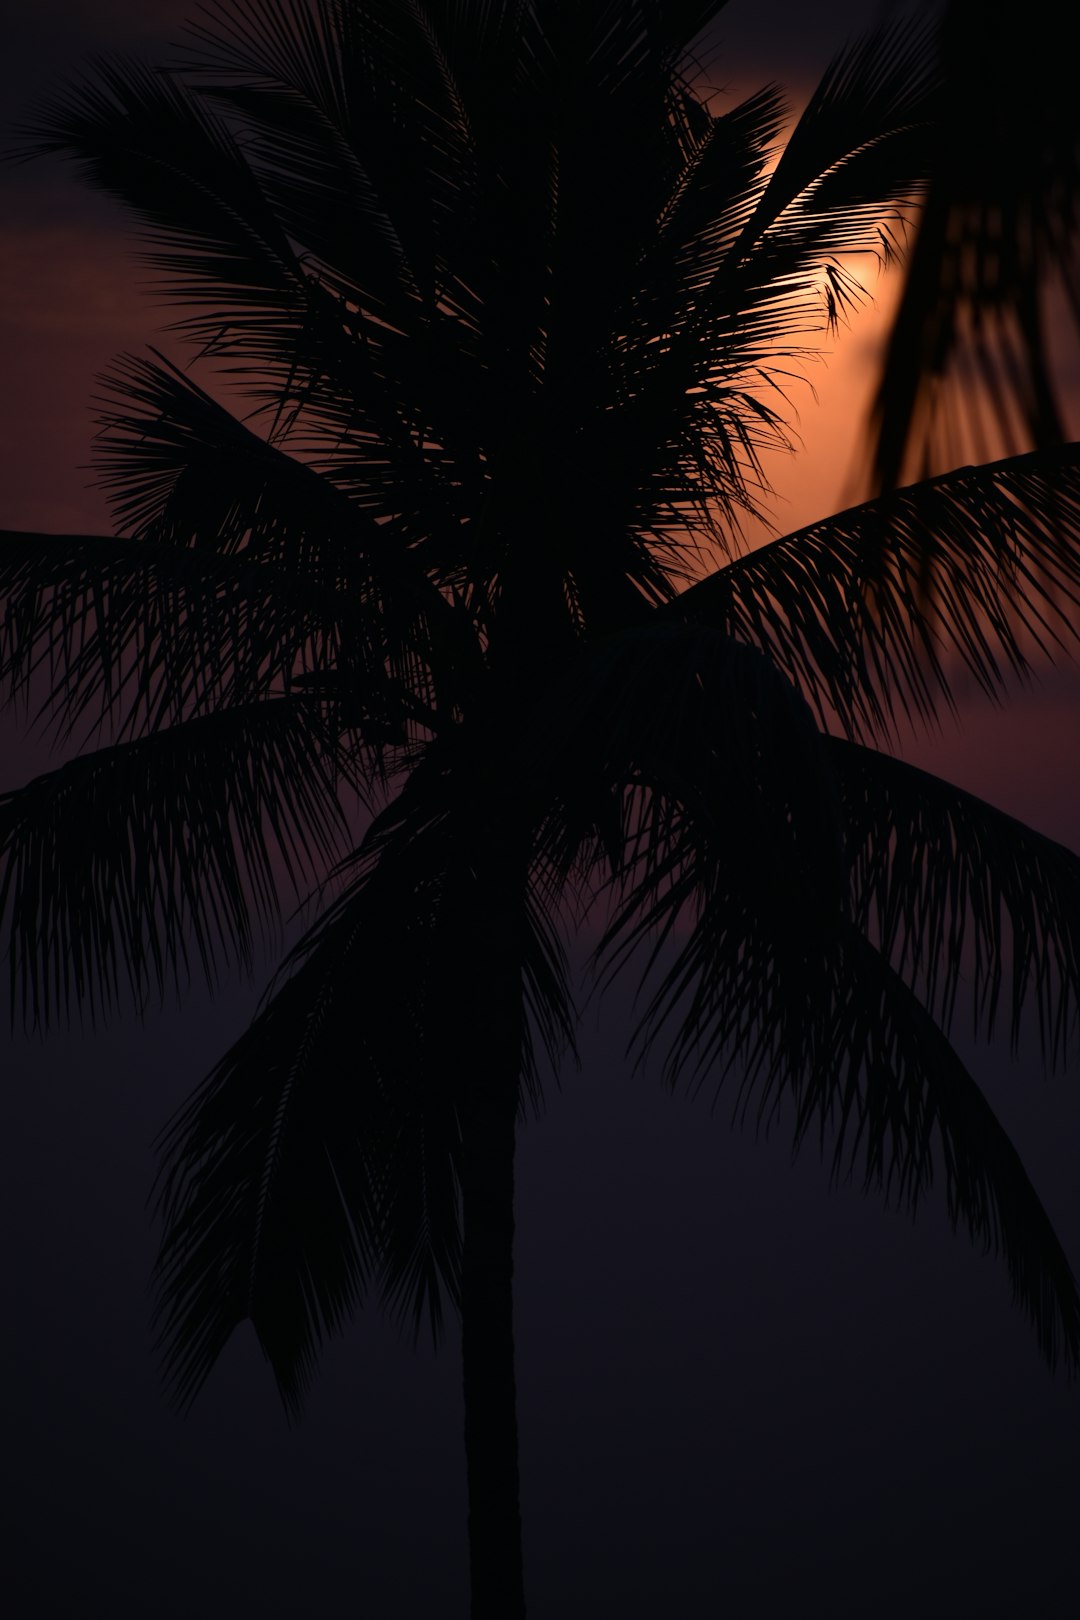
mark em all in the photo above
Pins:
pixel 741 1394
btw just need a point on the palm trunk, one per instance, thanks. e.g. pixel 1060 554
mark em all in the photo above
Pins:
pixel 487 1346
pixel 495 1013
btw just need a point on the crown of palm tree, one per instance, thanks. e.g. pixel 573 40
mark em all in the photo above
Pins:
pixel 514 312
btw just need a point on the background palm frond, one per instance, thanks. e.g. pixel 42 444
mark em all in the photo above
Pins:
pixel 971 365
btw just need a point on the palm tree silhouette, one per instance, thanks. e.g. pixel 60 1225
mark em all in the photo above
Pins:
pixel 515 312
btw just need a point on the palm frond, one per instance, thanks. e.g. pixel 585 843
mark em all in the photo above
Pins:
pixel 359 138
pixel 322 1154
pixel 954 891
pixel 276 1174
pixel 550 1022
pixel 179 467
pixel 818 1028
pixel 222 240
pixel 140 633
pixel 182 470
pixel 753 961
pixel 346 1091
pixel 148 141
pixel 127 869
pixel 434 843
pixel 971 356
pixel 746 266
pixel 302 579
pixel 893 1095
pixel 665 741
pixel 876 97
pixel 866 611
pixel 857 159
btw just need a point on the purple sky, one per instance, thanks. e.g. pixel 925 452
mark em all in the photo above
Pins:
pixel 740 1394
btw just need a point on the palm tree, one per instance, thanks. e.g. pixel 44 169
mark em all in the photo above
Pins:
pixel 514 312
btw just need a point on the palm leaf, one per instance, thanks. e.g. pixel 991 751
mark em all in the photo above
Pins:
pixel 322 1155
pixel 151 143
pixel 864 134
pixel 183 471
pixel 359 138
pixel 753 960
pixel 891 1091
pixel 318 1156
pixel 145 633
pixel 127 868
pixel 955 891
pixel 971 356
pixel 323 1152
pixel 811 1018
pixel 271 1177
pixel 658 743
pixel 744 267
pixel 301 581
pixel 865 610
pixel 179 467
pixel 226 253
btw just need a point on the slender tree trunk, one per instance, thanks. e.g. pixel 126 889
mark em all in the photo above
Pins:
pixel 493 1006
pixel 487 1345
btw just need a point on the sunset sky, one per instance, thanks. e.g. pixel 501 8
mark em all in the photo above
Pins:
pixel 741 1394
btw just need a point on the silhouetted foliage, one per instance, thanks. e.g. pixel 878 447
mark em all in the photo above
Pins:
pixel 971 356
pixel 515 312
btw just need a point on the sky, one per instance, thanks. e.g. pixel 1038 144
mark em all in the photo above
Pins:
pixel 740 1393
